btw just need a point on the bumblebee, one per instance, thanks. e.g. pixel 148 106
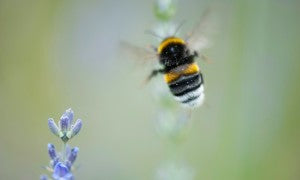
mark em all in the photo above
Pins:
pixel 181 72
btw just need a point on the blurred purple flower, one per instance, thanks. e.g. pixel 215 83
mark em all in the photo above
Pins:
pixel 70 114
pixel 60 166
pixel 51 151
pixel 75 129
pixel 53 127
pixel 66 130
pixel 43 177
pixel 62 172
pixel 73 155
pixel 61 162
pixel 64 123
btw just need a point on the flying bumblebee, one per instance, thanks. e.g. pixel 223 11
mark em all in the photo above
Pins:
pixel 181 72
pixel 179 68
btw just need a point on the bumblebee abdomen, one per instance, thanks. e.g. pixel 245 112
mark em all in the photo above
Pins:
pixel 187 87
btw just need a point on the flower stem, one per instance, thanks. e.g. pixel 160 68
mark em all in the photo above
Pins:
pixel 64 151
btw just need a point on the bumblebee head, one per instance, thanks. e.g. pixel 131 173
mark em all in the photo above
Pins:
pixel 171 51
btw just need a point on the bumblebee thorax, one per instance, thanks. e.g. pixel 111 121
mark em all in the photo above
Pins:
pixel 172 51
pixel 168 41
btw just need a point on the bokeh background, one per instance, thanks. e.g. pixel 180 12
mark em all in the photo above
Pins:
pixel 56 54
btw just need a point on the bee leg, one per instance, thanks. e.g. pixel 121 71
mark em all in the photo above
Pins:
pixel 154 73
pixel 195 54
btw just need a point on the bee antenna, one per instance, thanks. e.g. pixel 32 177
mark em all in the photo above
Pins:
pixel 153 34
pixel 179 26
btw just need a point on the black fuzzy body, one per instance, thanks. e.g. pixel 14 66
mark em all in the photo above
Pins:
pixel 174 55
pixel 188 87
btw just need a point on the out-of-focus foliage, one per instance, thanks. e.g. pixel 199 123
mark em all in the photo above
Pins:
pixel 164 9
pixel 56 54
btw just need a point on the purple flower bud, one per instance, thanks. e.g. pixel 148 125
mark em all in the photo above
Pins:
pixel 66 120
pixel 64 123
pixel 61 171
pixel 70 114
pixel 72 156
pixel 43 177
pixel 76 127
pixel 53 127
pixel 51 151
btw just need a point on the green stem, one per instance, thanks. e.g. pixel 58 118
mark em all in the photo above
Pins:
pixel 64 151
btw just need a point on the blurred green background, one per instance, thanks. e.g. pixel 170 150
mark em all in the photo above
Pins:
pixel 56 54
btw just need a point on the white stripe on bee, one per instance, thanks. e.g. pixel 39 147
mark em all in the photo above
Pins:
pixel 196 102
pixel 198 94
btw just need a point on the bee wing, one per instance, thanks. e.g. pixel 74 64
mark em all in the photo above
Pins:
pixel 142 55
pixel 199 38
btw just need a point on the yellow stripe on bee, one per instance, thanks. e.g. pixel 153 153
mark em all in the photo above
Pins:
pixel 172 76
pixel 169 41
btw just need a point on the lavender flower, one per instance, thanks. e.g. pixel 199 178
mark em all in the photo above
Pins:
pixel 71 156
pixel 70 114
pixel 43 177
pixel 64 123
pixel 60 165
pixel 74 129
pixel 62 172
pixel 61 162
pixel 66 130
pixel 51 151
pixel 53 128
